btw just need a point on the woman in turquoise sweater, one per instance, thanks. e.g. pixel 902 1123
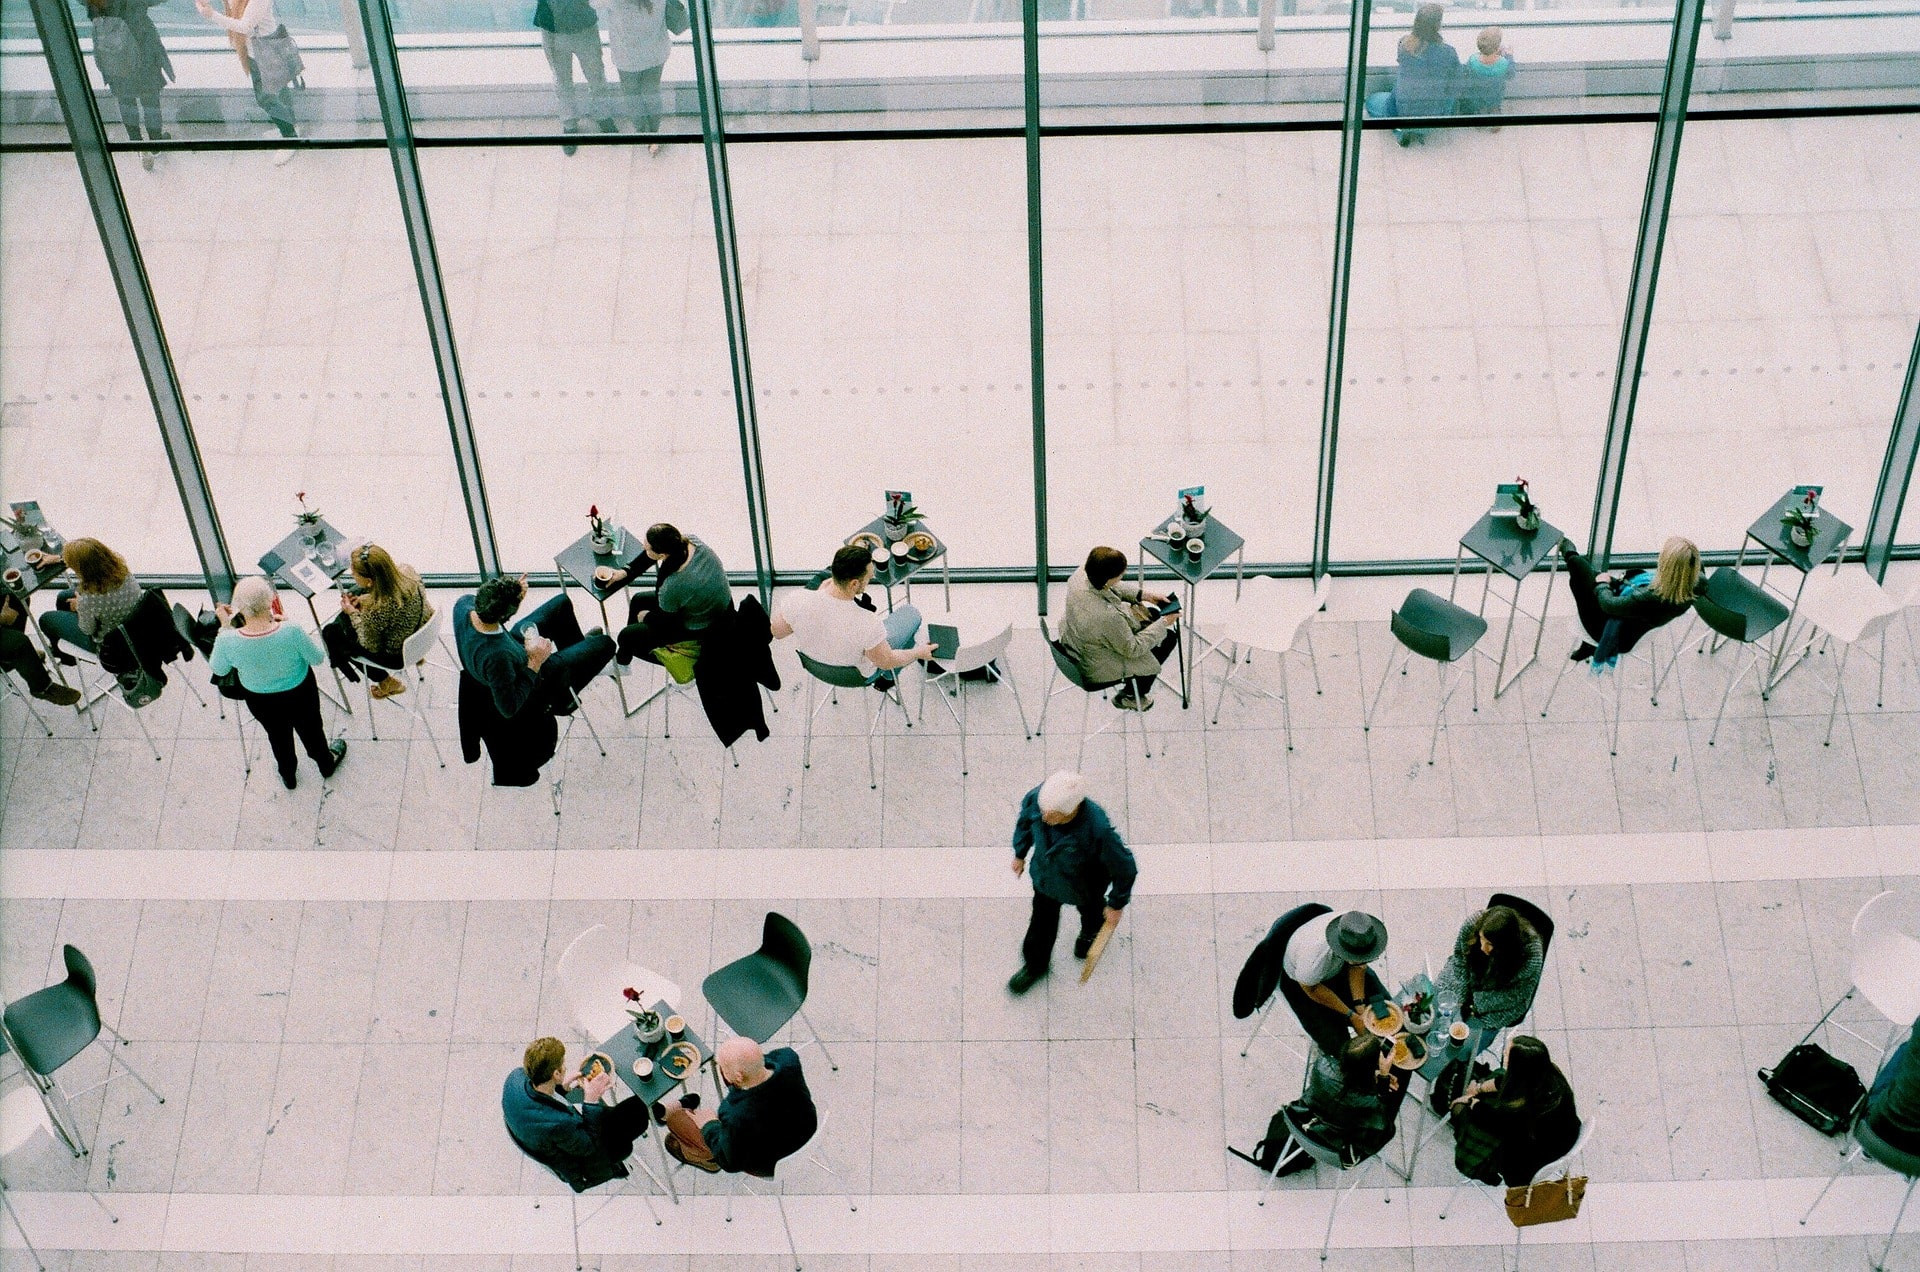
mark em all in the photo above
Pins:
pixel 275 662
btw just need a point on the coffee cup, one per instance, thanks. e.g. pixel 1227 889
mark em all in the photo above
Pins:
pixel 1195 547
pixel 901 549
pixel 1458 1031
pixel 12 576
pixel 603 574
pixel 880 557
pixel 676 1025
pixel 1176 533
pixel 643 1068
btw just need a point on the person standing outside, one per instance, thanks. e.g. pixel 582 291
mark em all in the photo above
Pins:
pixel 272 60
pixel 128 52
pixel 569 33
pixel 638 39
pixel 1078 859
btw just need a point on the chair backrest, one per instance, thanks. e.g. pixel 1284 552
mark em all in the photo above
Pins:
pixel 1555 1168
pixel 415 648
pixel 80 972
pixel 975 656
pixel 1542 922
pixel 838 677
pixel 22 1116
pixel 183 624
pixel 577 1183
pixel 1321 1153
pixel 1726 622
pixel 1886 954
pixel 1068 665
pixel 1426 644
pixel 782 942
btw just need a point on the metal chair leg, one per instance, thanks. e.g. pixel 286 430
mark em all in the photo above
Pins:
pixel 1839 693
pixel 831 1063
pixel 1286 701
pixel 1452 1197
pixel 1846 1161
pixel 806 747
pixel 1046 704
pixel 1233 665
pixel 1367 712
pixel 780 1201
pixel 573 1201
pixel 113 1054
pixel 1359 1174
pixel 1021 707
pixel 1880 1264
pixel 1545 706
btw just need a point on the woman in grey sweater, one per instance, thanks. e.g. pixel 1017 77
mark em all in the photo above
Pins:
pixel 104 596
pixel 1494 970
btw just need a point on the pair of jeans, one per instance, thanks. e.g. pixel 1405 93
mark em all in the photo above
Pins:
pixel 903 632
pixel 279 106
pixel 563 49
pixel 59 625
pixel 1044 928
pixel 576 659
pixel 133 106
pixel 642 91
pixel 290 713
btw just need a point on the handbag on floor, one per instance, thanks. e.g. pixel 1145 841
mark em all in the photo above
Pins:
pixel 1550 1202
pixel 1817 1087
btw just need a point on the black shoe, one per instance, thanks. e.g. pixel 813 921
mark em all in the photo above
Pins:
pixel 569 148
pixel 1081 946
pixel 1025 979
pixel 659 1108
pixel 1566 547
pixel 691 1100
pixel 1582 653
pixel 64 658
pixel 883 684
pixel 160 135
pixel 608 126
pixel 338 750
pixel 290 780
pixel 58 695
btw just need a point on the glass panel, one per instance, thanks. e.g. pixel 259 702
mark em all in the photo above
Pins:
pixel 1489 274
pixel 77 431
pixel 1186 288
pixel 586 301
pixel 887 308
pixel 29 112
pixel 1785 314
pixel 301 348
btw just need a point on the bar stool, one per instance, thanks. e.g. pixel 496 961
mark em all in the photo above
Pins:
pixel 1433 628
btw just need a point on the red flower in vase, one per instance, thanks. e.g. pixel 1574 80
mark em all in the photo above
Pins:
pixel 631 994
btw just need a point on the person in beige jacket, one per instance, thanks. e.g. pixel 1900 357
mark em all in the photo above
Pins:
pixel 1109 633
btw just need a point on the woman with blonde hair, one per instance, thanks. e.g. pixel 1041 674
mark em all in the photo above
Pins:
pixel 390 606
pixel 104 595
pixel 1617 612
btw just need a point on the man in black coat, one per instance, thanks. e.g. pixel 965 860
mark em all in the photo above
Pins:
pixel 586 1143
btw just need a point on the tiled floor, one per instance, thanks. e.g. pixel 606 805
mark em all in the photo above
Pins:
pixel 329 984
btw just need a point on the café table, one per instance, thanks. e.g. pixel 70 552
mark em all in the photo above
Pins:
pixel 1508 550
pixel 1830 535
pixel 900 569
pixel 279 564
pixel 577 561
pixel 625 1047
pixel 37 536
pixel 1218 542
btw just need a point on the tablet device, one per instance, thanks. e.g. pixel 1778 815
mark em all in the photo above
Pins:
pixel 946 640
pixel 271 563
pixel 1171 607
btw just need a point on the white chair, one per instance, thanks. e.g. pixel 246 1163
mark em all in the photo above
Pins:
pixel 1645 653
pixel 411 673
pixel 1886 964
pixel 836 679
pixel 1065 666
pixel 22 1118
pixel 737 1180
pixel 620 1185
pixel 1555 1172
pixel 989 656
pixel 1303 1143
pixel 594 970
pixel 1852 610
pixel 1269 618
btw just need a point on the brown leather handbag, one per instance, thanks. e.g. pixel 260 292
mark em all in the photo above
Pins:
pixel 1552 1201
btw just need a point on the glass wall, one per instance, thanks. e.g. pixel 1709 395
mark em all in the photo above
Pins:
pixel 1190 169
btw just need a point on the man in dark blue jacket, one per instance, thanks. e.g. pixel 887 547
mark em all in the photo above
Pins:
pixel 1078 860
pixel 1893 1106
pixel 766 1115
pixel 586 1143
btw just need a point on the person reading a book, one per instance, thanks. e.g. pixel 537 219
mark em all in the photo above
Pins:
pixel 1110 631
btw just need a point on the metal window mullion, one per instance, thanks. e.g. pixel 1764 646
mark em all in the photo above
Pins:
pixel 720 190
pixel 1662 168
pixel 1896 472
pixel 101 180
pixel 1353 107
pixel 385 64
pixel 1036 308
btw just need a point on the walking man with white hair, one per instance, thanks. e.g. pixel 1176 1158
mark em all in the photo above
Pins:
pixel 1078 859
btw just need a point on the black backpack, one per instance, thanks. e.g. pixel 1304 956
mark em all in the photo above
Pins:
pixel 1818 1088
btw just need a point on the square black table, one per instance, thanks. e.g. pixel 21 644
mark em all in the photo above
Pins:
pixel 899 570
pixel 578 561
pixel 1510 551
pixel 1218 542
pixel 624 1048
pixel 1830 535
pixel 32 577
pixel 294 548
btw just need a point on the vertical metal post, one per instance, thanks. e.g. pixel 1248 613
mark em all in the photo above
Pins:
pixel 1662 168
pixel 1036 307
pixel 720 189
pixel 102 182
pixel 1264 39
pixel 1896 473
pixel 1354 107
pixel 385 64
pixel 809 30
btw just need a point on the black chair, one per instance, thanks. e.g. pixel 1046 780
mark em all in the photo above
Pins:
pixel 51 1026
pixel 1433 628
pixel 1066 666
pixel 757 995
pixel 578 1184
pixel 1737 609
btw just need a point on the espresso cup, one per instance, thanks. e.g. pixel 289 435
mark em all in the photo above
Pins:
pixel 1177 533
pixel 12 577
pixel 676 1025
pixel 881 557
pixel 1195 547
pixel 1458 1031
pixel 643 1068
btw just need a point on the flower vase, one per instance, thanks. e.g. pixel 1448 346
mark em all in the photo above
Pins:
pixel 1800 535
pixel 649 1036
pixel 895 530
pixel 1528 522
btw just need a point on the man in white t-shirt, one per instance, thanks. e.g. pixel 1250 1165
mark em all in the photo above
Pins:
pixel 829 627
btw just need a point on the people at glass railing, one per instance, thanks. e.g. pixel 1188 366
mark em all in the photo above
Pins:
pixel 638 39
pixel 104 595
pixel 274 660
pixel 271 58
pixel 1484 78
pixel 569 33
pixel 387 606
pixel 133 62
pixel 1428 80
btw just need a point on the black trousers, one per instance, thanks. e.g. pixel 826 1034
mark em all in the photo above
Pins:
pixel 1044 928
pixel 648 627
pixel 292 712
pixel 1162 651
pixel 1585 586
pixel 577 657
pixel 615 1129
pixel 18 655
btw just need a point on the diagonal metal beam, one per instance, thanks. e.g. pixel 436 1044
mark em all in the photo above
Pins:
pixel 1896 472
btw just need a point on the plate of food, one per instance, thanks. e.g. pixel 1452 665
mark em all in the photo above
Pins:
pixel 596 1063
pixel 679 1060
pixel 1409 1051
pixel 867 539
pixel 1385 1019
pixel 921 544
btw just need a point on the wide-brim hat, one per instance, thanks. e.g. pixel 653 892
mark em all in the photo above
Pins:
pixel 1357 937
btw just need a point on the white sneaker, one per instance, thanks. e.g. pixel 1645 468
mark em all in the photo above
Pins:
pixel 281 158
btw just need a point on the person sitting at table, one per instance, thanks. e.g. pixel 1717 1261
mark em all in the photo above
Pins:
pixel 1349 1101
pixel 1494 969
pixel 1507 1126
pixel 1617 612
pixel 104 595
pixel 1893 1105
pixel 831 625
pixel 376 621
pixel 766 1115
pixel 541 671
pixel 586 1143
pixel 275 662
pixel 1328 958
pixel 18 656
pixel 1109 634
pixel 691 593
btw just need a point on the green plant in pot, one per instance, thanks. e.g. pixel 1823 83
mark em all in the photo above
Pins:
pixel 1420 1013
pixel 900 522
pixel 647 1025
pixel 1800 520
